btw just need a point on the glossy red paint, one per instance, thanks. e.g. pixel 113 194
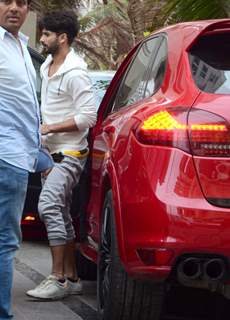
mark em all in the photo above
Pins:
pixel 160 193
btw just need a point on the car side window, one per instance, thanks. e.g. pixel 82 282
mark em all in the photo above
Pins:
pixel 132 87
pixel 156 75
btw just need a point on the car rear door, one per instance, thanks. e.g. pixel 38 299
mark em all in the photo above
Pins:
pixel 112 134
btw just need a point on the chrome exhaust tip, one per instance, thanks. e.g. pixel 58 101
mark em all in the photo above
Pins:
pixel 214 269
pixel 189 269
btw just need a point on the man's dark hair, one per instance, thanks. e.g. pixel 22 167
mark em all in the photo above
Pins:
pixel 61 22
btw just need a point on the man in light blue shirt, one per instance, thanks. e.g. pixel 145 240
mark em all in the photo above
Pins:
pixel 19 137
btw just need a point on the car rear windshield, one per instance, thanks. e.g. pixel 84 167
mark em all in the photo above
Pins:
pixel 210 63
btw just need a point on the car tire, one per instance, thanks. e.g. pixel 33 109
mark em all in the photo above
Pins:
pixel 86 269
pixel 119 296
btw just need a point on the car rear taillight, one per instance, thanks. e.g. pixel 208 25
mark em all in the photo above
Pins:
pixel 209 134
pixel 198 132
pixel 165 128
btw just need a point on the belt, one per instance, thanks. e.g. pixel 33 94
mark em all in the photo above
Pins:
pixel 58 157
pixel 79 154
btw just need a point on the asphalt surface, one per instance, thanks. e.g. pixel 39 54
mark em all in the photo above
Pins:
pixel 33 263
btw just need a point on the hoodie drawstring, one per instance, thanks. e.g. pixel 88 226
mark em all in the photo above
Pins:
pixel 59 88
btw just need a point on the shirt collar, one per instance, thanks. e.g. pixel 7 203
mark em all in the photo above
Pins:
pixel 21 36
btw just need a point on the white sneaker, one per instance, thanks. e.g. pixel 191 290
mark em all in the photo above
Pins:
pixel 75 287
pixel 50 289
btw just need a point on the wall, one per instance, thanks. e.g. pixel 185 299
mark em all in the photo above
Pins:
pixel 29 28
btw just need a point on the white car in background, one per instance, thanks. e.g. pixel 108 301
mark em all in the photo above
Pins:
pixel 100 81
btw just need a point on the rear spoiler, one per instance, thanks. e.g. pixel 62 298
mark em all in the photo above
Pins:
pixel 222 26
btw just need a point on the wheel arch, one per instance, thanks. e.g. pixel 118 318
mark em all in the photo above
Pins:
pixel 111 183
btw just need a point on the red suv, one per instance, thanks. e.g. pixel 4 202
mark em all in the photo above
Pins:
pixel 158 208
pixel 159 202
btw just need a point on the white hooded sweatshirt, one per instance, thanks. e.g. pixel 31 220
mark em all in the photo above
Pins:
pixel 67 94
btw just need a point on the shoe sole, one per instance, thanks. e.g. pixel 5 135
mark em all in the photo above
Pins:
pixel 48 299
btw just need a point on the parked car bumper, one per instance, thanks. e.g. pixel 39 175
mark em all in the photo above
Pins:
pixel 166 215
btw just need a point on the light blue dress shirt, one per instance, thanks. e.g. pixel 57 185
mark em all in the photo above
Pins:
pixel 19 110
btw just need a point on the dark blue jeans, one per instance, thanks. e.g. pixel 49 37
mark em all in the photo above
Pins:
pixel 13 186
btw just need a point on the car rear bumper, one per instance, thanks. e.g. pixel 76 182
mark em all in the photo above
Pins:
pixel 167 211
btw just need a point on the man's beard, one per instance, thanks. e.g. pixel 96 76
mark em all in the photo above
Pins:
pixel 53 49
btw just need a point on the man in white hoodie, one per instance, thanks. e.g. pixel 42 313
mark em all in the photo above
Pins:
pixel 68 111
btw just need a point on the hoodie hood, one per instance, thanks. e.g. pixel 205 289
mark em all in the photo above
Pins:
pixel 72 61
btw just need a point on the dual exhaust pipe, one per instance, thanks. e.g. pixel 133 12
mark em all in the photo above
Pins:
pixel 202 273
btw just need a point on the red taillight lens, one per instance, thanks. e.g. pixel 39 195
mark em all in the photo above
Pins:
pixel 209 134
pixel 157 257
pixel 165 128
pixel 29 218
pixel 199 132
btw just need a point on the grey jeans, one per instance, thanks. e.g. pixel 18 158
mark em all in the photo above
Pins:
pixel 56 197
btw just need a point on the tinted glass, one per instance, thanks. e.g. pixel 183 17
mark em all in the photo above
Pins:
pixel 210 63
pixel 132 88
pixel 157 73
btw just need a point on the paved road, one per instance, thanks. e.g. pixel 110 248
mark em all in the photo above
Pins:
pixel 33 264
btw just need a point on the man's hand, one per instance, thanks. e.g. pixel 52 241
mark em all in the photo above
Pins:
pixel 45 129
pixel 65 126
pixel 45 173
